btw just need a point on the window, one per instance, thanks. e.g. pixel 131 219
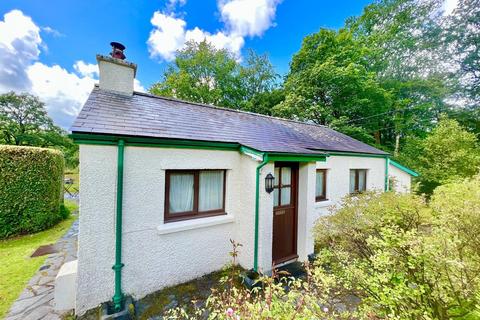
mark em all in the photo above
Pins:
pixel 358 180
pixel 282 186
pixel 194 194
pixel 321 185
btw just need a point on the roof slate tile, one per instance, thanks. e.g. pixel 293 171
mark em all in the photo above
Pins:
pixel 145 115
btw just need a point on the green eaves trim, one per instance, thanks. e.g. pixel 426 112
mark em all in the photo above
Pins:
pixel 97 139
pixel 405 169
pixel 82 138
pixel 354 154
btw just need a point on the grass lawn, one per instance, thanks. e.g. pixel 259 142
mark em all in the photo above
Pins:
pixel 16 267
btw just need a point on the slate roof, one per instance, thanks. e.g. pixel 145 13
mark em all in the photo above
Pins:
pixel 144 115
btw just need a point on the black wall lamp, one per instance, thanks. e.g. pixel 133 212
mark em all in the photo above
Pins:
pixel 269 180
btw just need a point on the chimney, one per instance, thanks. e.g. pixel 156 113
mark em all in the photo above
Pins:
pixel 116 74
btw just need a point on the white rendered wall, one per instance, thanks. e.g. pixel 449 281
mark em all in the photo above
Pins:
pixel 156 254
pixel 154 259
pixel 306 209
pixel 402 179
pixel 338 178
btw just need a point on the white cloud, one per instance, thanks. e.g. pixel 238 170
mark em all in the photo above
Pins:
pixel 241 18
pixel 167 37
pixel 449 6
pixel 219 40
pixel 137 86
pixel 86 69
pixel 52 31
pixel 63 92
pixel 19 46
pixel 248 17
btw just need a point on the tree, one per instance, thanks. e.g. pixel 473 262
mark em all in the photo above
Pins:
pixel 24 121
pixel 204 74
pixel 447 154
pixel 462 35
pixel 330 78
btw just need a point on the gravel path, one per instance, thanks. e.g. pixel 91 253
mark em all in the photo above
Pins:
pixel 36 300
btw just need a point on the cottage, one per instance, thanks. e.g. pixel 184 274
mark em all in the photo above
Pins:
pixel 164 185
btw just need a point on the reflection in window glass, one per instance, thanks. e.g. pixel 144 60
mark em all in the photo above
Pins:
pixel 285 198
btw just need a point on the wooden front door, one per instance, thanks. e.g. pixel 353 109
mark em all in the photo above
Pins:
pixel 285 212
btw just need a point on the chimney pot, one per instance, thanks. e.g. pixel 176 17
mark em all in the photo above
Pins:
pixel 117 50
pixel 116 74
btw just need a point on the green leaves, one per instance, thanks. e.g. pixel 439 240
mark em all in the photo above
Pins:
pixel 449 153
pixel 24 122
pixel 31 189
pixel 404 258
pixel 204 74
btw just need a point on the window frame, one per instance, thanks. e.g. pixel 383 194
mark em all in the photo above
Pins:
pixel 322 197
pixel 357 180
pixel 195 213
pixel 281 185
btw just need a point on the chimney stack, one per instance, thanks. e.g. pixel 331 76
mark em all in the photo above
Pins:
pixel 116 74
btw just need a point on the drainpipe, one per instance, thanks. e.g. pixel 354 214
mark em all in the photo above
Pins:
pixel 117 267
pixel 257 206
pixel 387 164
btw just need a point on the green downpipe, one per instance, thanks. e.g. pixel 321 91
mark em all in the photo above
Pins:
pixel 257 207
pixel 117 267
pixel 387 164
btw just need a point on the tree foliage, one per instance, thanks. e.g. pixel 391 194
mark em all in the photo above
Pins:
pixel 24 122
pixel 207 75
pixel 447 154
pixel 31 189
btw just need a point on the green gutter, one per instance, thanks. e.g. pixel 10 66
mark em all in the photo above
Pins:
pixel 117 267
pixel 353 154
pixel 403 168
pixel 387 160
pixel 97 139
pixel 257 206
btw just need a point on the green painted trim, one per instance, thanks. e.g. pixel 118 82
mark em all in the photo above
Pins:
pixel 296 157
pixel 387 164
pixel 353 154
pixel 84 138
pixel 403 168
pixel 257 208
pixel 117 267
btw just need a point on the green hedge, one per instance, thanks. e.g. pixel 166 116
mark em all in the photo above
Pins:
pixel 31 189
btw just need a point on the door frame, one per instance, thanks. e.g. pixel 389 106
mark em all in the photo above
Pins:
pixel 295 180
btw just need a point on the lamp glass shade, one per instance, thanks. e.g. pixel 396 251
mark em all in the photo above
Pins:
pixel 269 181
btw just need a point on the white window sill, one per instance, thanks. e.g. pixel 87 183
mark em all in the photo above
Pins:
pixel 323 204
pixel 172 227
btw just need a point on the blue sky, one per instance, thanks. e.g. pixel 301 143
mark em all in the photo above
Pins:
pixel 48 47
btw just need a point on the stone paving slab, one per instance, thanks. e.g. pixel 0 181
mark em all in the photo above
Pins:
pixel 36 300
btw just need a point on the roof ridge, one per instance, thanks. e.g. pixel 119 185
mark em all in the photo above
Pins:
pixel 226 109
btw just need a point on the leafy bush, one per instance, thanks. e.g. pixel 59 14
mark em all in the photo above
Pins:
pixel 381 256
pixel 278 297
pixel 449 153
pixel 31 189
pixel 404 259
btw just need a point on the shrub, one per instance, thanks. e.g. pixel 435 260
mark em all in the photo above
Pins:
pixel 31 189
pixel 404 259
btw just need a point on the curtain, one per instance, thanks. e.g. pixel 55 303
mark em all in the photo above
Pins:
pixel 352 181
pixel 319 184
pixel 211 190
pixel 181 192
pixel 362 177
